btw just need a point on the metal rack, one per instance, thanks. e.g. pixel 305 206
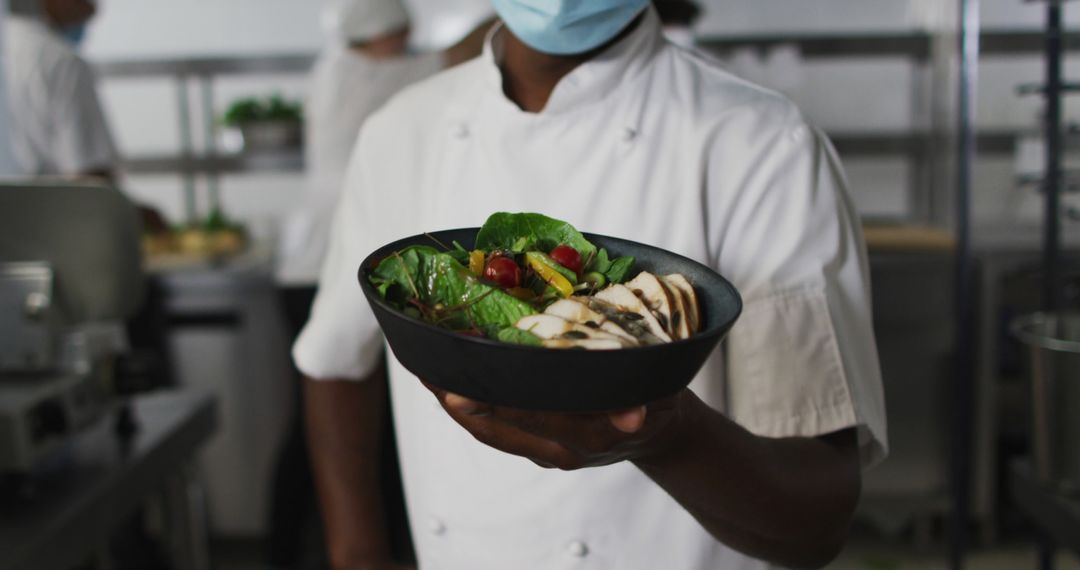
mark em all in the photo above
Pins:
pixel 919 146
pixel 927 149
pixel 202 73
pixel 1056 516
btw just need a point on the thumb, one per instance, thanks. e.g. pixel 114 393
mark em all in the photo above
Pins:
pixel 629 420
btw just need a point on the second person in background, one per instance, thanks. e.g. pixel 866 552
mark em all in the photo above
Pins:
pixel 365 62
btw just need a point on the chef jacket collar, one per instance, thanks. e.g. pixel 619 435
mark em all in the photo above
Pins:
pixel 593 80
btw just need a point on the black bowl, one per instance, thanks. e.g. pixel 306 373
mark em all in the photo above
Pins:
pixel 549 379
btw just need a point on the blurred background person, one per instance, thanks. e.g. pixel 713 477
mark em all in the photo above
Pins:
pixel 365 62
pixel 58 126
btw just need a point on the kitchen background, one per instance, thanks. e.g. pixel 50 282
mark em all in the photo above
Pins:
pixel 877 75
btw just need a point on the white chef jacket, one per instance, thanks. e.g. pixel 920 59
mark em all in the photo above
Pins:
pixel 345 88
pixel 649 142
pixel 58 125
pixel 8 167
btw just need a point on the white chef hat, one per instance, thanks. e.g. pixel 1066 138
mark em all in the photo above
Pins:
pixel 362 20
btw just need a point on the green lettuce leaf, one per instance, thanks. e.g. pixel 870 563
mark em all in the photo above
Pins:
pixel 515 335
pixel 600 262
pixel 451 295
pixel 619 269
pixel 530 232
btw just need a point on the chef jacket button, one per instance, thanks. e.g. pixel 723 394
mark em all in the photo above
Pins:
pixel 577 549
pixel 629 134
pixel 461 131
pixel 436 526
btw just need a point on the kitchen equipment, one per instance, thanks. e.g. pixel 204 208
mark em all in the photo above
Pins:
pixel 1053 340
pixel 27 317
pixel 69 276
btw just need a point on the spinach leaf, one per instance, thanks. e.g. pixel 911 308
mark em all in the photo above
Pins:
pixel 453 296
pixel 530 232
pixel 600 263
pixel 399 276
pixel 459 253
pixel 515 335
pixel 620 267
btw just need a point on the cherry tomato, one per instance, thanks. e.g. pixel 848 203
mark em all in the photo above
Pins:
pixel 567 257
pixel 503 271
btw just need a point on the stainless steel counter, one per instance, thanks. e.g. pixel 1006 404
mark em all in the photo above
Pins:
pixel 79 502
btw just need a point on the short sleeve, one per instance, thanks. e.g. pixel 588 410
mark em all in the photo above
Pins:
pixel 341 339
pixel 81 139
pixel 801 360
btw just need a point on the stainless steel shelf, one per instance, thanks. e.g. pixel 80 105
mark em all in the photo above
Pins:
pixel 286 160
pixel 829 45
pixel 207 66
pixel 991 142
pixel 848 144
pixel 916 45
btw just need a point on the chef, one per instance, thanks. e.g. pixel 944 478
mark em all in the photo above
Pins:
pixel 58 126
pixel 583 111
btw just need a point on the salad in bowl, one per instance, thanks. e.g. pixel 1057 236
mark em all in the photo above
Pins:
pixel 529 312
pixel 533 280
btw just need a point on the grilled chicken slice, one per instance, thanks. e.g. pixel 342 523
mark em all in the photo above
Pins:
pixel 678 327
pixel 656 297
pixel 625 300
pixel 578 311
pixel 690 300
pixel 632 323
pixel 551 327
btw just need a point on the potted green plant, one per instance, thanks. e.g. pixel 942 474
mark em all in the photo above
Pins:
pixel 266 123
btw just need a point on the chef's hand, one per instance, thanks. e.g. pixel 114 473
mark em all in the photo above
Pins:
pixel 571 441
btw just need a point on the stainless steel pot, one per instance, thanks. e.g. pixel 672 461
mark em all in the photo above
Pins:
pixel 1053 341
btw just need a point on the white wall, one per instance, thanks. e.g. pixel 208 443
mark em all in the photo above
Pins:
pixel 849 95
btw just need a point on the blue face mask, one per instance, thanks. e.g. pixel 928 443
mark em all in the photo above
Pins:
pixel 564 27
pixel 74 34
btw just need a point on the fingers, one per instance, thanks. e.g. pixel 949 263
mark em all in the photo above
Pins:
pixel 589 435
pixel 465 406
pixel 565 441
pixel 507 438
pixel 629 421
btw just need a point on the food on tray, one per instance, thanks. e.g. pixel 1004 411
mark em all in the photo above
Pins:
pixel 537 281
pixel 216 236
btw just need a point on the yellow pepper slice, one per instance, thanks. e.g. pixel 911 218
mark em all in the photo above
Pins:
pixel 476 261
pixel 550 275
